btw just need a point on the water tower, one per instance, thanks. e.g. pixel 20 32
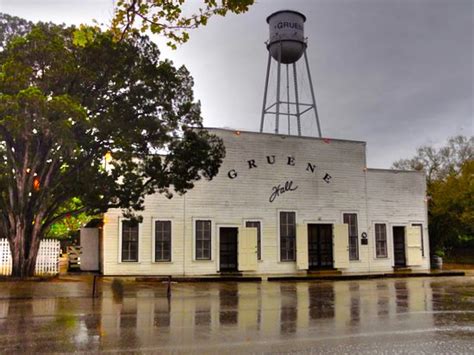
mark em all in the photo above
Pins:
pixel 286 46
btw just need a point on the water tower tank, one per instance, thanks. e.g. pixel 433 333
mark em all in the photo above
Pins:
pixel 286 42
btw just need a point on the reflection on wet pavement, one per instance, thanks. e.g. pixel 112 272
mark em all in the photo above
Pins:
pixel 407 315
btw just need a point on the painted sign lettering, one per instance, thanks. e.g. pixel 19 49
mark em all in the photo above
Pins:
pixel 232 174
pixel 327 178
pixel 292 25
pixel 281 189
pixel 251 163
pixel 271 159
pixel 311 167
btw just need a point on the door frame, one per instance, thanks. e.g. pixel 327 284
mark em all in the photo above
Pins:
pixel 392 239
pixel 218 242
pixel 318 223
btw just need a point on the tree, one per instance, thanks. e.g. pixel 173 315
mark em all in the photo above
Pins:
pixel 65 104
pixel 450 188
pixel 438 164
pixel 11 26
pixel 70 224
pixel 169 18
pixel 452 207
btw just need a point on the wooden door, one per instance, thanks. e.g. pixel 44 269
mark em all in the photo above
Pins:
pixel 399 246
pixel 414 252
pixel 320 246
pixel 302 247
pixel 341 246
pixel 247 249
pixel 228 249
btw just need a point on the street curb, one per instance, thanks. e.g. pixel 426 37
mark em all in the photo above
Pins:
pixel 200 279
pixel 338 277
pixel 196 279
pixel 364 277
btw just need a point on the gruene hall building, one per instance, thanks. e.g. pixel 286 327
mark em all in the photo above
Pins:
pixel 279 205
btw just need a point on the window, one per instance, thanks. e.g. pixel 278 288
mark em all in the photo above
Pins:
pixel 203 240
pixel 351 220
pixel 380 240
pixel 421 234
pixel 129 241
pixel 256 224
pixel 287 236
pixel 162 240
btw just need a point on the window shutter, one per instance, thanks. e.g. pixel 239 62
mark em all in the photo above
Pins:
pixel 341 246
pixel 247 249
pixel 302 247
pixel 414 255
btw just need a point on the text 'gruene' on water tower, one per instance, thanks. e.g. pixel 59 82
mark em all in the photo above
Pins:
pixel 287 45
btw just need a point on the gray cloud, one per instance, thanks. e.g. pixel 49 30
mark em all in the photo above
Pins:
pixel 394 73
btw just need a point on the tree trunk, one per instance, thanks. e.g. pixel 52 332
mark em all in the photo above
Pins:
pixel 24 248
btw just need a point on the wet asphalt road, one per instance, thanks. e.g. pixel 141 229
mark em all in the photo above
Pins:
pixel 416 316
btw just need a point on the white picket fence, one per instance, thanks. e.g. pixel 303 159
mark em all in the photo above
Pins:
pixel 5 258
pixel 47 262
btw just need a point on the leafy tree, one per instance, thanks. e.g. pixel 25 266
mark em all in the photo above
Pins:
pixel 452 207
pixel 450 187
pixel 11 26
pixel 438 164
pixel 169 18
pixel 70 224
pixel 66 105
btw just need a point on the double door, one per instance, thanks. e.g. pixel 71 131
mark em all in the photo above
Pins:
pixel 320 246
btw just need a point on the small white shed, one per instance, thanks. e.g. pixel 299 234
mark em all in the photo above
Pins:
pixel 90 249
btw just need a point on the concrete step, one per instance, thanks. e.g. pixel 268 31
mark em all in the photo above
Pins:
pixel 402 269
pixel 325 272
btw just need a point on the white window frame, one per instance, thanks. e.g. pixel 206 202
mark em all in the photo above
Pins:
pixel 279 234
pixel 387 241
pixel 153 236
pixel 213 237
pixel 357 213
pixel 120 220
pixel 260 220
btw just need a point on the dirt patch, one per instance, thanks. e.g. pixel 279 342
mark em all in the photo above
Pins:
pixel 28 279
pixel 457 266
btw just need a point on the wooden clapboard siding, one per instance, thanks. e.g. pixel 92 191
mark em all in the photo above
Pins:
pixel 397 198
pixel 226 201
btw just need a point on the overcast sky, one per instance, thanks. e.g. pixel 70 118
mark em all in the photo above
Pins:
pixel 394 73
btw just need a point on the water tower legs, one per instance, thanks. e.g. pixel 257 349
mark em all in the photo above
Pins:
pixel 277 116
pixel 312 93
pixel 288 98
pixel 294 108
pixel 298 118
pixel 265 93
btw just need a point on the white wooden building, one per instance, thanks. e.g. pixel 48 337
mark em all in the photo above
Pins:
pixel 279 205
